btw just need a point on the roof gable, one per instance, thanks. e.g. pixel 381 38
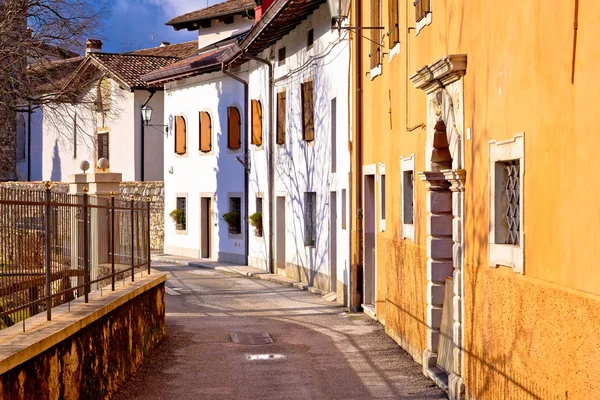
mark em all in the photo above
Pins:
pixel 222 11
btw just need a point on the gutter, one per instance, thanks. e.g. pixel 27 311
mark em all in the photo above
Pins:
pixel 246 156
pixel 271 160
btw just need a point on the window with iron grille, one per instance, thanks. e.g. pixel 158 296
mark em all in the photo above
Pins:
pixel 508 221
pixel 235 205
pixel 181 205
pixel 310 218
pixel 408 197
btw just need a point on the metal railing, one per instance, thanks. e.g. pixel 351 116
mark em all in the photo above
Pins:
pixel 55 247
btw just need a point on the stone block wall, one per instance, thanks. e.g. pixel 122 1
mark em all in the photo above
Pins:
pixel 139 190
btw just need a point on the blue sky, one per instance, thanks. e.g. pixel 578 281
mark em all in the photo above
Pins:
pixel 136 24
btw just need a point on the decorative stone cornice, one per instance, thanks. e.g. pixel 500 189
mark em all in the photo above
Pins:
pixel 457 178
pixel 440 73
pixel 434 181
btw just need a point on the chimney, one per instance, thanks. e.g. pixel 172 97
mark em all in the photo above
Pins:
pixel 163 44
pixel 261 8
pixel 93 46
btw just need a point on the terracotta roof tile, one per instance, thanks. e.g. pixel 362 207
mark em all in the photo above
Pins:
pixel 129 67
pixel 228 7
pixel 179 50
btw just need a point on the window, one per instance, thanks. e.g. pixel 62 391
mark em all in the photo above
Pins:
pixel 103 145
pixel 259 204
pixel 310 38
pixel 235 205
pixel 75 136
pixel 344 209
pixel 181 205
pixel 394 23
pixel 407 169
pixel 382 201
pixel 375 33
pixel 506 195
pixel 180 135
pixel 333 134
pixel 422 8
pixel 281 56
pixel 256 123
pixel 103 95
pixel 281 117
pixel 234 128
pixel 21 140
pixel 310 218
pixel 308 125
pixel 205 132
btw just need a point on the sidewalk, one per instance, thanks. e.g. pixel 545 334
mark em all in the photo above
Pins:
pixel 244 270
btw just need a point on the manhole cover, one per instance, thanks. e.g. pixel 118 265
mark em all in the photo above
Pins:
pixel 251 338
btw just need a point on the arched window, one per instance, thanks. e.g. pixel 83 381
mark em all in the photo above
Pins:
pixel 234 128
pixel 180 135
pixel 205 132
pixel 21 142
pixel 256 123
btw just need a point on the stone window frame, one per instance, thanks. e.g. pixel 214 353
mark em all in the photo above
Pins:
pixel 381 196
pixel 505 254
pixel 407 164
pixel 243 217
pixel 187 202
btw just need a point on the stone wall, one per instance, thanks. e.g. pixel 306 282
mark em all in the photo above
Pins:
pixel 139 190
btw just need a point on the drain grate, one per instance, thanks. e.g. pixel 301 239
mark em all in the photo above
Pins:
pixel 251 338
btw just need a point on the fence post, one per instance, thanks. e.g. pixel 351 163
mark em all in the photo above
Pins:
pixel 148 238
pixel 48 254
pixel 86 247
pixel 112 239
pixel 132 240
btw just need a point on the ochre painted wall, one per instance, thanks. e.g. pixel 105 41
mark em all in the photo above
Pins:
pixel 525 336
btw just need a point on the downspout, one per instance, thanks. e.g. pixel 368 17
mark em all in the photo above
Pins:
pixel 29 142
pixel 246 156
pixel 271 161
pixel 143 142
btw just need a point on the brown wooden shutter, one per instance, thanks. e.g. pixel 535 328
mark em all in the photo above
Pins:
pixel 281 117
pixel 234 128
pixel 205 132
pixel 256 123
pixel 393 21
pixel 422 8
pixel 308 126
pixel 180 135
pixel 103 145
pixel 375 33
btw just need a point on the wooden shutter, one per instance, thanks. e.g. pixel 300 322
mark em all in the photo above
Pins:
pixel 375 33
pixel 281 117
pixel 422 8
pixel 103 145
pixel 394 22
pixel 234 128
pixel 308 126
pixel 205 132
pixel 256 123
pixel 180 135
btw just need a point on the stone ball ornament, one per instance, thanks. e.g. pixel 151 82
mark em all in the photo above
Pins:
pixel 103 163
pixel 84 166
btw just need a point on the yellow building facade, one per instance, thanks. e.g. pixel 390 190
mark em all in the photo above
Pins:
pixel 475 226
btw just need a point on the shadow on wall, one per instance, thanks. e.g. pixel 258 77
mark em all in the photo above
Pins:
pixel 56 173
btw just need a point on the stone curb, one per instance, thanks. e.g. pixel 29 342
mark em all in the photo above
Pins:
pixel 265 276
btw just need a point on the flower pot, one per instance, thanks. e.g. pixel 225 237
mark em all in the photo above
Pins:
pixel 179 227
pixel 258 232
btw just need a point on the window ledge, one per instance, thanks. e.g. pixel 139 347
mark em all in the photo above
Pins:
pixel 382 225
pixel 181 231
pixel 376 71
pixel 506 255
pixel 408 231
pixel 394 51
pixel 423 23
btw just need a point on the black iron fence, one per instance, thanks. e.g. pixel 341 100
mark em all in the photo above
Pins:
pixel 55 247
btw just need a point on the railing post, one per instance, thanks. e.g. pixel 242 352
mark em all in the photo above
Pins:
pixel 48 254
pixel 132 240
pixel 86 246
pixel 112 239
pixel 148 236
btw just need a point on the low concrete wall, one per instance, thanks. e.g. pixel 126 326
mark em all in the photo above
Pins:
pixel 86 351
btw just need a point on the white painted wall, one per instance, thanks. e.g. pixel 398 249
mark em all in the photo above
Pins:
pixel 124 125
pixel 219 30
pixel 196 174
pixel 301 166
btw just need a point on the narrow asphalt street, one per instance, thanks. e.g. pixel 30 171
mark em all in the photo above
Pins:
pixel 318 350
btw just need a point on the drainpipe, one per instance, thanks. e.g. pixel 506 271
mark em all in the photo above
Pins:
pixel 271 167
pixel 246 155
pixel 29 142
pixel 143 142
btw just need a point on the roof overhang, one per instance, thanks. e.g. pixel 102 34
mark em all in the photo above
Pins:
pixel 194 23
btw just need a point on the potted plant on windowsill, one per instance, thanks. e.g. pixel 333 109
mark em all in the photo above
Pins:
pixel 179 218
pixel 232 219
pixel 257 222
